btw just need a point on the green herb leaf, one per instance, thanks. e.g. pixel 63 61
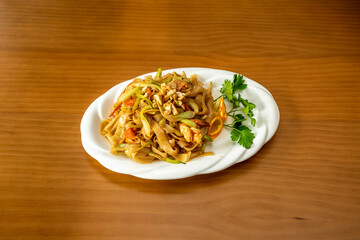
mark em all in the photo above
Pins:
pixel 243 136
pixel 227 90
pixel 253 121
pixel 239 117
pixel 246 103
pixel 238 83
pixel 241 109
pixel 246 110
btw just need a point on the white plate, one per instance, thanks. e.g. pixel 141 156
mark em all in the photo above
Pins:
pixel 227 153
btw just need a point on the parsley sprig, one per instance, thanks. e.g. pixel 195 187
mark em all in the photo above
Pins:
pixel 241 109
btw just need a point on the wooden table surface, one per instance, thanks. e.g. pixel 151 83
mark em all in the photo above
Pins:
pixel 56 57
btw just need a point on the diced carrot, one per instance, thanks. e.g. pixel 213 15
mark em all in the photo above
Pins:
pixel 129 134
pixel 149 91
pixel 130 102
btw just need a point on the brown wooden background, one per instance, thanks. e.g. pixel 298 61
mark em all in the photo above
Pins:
pixel 56 57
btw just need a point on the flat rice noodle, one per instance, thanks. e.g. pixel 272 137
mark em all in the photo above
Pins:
pixel 197 100
pixel 123 118
pixel 152 111
pixel 163 140
pixel 143 158
pixel 157 151
pixel 189 88
pixel 211 115
pixel 146 137
pixel 137 120
pixel 143 103
pixel 114 138
pixel 169 129
pixel 156 156
pixel 111 127
pixel 172 142
pixel 132 124
pixel 194 154
pixel 139 154
pixel 176 137
pixel 189 149
pixel 158 117
pixel 136 140
pixel 182 144
pixel 183 157
pixel 114 151
pixel 196 90
pixel 162 122
pixel 103 124
pixel 131 149
pixel 204 110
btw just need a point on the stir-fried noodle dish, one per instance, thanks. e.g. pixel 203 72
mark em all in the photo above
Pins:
pixel 166 117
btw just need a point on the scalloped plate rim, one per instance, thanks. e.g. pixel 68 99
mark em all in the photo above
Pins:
pixel 116 88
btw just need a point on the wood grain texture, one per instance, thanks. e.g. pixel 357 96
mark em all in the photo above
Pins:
pixel 56 57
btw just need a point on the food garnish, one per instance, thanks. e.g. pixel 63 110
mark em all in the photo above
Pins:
pixel 241 109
